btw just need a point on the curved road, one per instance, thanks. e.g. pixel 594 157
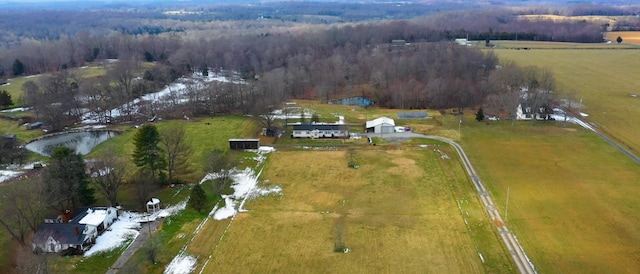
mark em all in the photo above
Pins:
pixel 514 247
pixel 605 138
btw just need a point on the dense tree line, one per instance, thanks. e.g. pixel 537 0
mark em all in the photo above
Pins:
pixel 268 68
pixel 83 37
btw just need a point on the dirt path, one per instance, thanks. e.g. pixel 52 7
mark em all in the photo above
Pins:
pixel 513 246
pixel 145 232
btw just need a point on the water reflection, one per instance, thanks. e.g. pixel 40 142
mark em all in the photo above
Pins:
pixel 80 142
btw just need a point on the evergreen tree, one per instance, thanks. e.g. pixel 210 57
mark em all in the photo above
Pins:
pixel 18 68
pixel 198 199
pixel 147 153
pixel 5 99
pixel 480 115
pixel 68 180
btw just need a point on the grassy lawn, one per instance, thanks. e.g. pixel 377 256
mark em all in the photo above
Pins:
pixel 15 84
pixel 204 135
pixel 572 200
pixel 604 79
pixel 402 210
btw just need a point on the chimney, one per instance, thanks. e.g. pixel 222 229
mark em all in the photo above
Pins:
pixel 75 230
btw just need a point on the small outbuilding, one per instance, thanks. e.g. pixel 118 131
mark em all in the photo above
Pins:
pixel 153 205
pixel 352 101
pixel 381 125
pixel 244 143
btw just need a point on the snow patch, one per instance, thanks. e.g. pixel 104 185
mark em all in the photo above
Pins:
pixel 15 109
pixel 8 174
pixel 245 187
pixel 181 264
pixel 127 226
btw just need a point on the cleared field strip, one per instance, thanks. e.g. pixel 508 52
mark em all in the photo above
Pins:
pixel 402 210
pixel 515 249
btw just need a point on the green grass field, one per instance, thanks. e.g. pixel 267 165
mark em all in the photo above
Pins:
pixel 572 201
pixel 604 79
pixel 399 209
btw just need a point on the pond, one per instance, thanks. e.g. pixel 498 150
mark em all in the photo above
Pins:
pixel 81 142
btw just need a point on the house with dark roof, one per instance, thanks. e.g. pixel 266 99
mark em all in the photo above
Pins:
pixel 320 131
pixel 56 237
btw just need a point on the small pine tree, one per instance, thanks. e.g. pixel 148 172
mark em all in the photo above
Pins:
pixel 17 68
pixel 5 99
pixel 198 199
pixel 480 115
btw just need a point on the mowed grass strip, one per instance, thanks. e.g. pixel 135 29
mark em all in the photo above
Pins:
pixel 398 209
pixel 572 197
pixel 603 79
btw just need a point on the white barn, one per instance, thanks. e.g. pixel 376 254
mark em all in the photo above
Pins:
pixel 381 125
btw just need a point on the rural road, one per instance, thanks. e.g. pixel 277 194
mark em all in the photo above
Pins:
pixel 514 247
pixel 145 232
pixel 606 139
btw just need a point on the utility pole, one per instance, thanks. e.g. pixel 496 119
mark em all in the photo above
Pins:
pixel 506 211
pixel 459 127
pixel 580 108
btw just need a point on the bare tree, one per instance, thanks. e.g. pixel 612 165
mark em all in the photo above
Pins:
pixel 221 163
pixel 178 149
pixel 26 203
pixel 109 176
pixel 144 184
pixel 29 262
pixel 122 74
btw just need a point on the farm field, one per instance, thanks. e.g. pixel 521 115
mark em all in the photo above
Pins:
pixel 398 212
pixel 630 37
pixel 603 78
pixel 572 197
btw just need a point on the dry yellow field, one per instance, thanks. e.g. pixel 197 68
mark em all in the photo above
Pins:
pixel 572 197
pixel 399 213
pixel 604 79
pixel 631 37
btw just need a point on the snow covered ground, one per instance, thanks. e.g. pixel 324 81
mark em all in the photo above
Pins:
pixel 13 171
pixel 245 186
pixel 126 228
pixel 8 174
pixel 178 89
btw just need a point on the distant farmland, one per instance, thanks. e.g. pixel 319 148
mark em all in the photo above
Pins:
pixel 604 79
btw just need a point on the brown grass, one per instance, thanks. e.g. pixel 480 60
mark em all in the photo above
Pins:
pixel 398 216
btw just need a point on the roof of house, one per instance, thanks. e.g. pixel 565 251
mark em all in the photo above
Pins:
pixel 154 201
pixel 94 217
pixel 64 233
pixel 320 127
pixel 244 140
pixel 380 121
